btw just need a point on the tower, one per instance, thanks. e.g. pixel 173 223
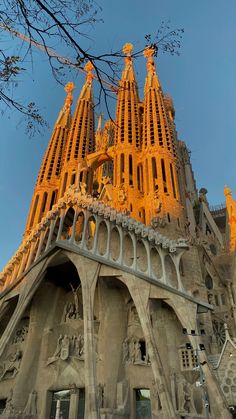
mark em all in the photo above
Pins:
pixel 81 139
pixel 160 157
pixel 47 185
pixel 127 139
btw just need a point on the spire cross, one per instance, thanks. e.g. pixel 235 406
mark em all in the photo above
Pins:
pixel 69 87
pixel 89 68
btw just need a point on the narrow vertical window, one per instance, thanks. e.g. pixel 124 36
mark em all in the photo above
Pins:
pixel 72 182
pixel 154 174
pixel 147 177
pixel 34 210
pixel 163 175
pixel 45 195
pixel 53 199
pixel 172 180
pixel 122 168
pixel 130 170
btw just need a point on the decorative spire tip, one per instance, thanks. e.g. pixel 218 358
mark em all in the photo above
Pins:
pixel 69 87
pixel 127 49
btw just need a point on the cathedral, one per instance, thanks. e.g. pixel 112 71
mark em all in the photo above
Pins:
pixel 120 301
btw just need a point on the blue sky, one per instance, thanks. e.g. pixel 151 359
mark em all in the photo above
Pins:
pixel 201 81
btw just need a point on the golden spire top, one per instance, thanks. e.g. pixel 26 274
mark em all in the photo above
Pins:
pixel 227 191
pixel 89 68
pixel 69 89
pixel 127 49
pixel 148 53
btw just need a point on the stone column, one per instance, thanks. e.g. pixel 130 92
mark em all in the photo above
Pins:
pixel 88 271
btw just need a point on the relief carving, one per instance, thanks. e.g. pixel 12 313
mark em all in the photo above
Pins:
pixel 11 367
pixel 73 308
pixel 134 352
pixel 20 335
pixel 68 346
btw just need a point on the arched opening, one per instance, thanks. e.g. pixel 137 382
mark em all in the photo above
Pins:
pixel 72 179
pixel 102 238
pixel 79 227
pixel 53 199
pixel 142 262
pixel 156 266
pixel 171 275
pixel 67 224
pixel 7 311
pixel 90 232
pixel 115 244
pixel 128 249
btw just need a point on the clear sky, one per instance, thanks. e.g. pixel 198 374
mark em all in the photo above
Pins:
pixel 201 81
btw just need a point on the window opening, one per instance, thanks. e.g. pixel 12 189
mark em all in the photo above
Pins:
pixel 172 180
pixel 163 174
pixel 154 174
pixel 130 170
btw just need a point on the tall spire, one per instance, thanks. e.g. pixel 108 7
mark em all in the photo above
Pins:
pixel 81 139
pixel 127 136
pixel 160 157
pixel 46 189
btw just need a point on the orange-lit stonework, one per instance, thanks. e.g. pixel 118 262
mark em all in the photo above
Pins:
pixel 122 267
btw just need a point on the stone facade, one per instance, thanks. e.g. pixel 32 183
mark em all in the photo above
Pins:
pixel 120 301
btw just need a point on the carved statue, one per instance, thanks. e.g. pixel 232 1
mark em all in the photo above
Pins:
pixel 138 355
pixel 133 315
pixel 76 301
pixel 68 347
pixel 65 348
pixel 31 405
pixel 70 311
pixel 83 188
pixel 122 195
pixel 100 395
pixel 126 350
pixel 12 367
pixel 132 351
pixel 185 395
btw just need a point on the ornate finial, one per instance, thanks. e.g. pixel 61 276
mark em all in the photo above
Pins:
pixel 69 89
pixel 89 68
pixel 148 53
pixel 127 49
pixel 227 191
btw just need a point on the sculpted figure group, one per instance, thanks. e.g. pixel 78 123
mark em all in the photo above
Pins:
pixel 68 346
pixel 132 352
